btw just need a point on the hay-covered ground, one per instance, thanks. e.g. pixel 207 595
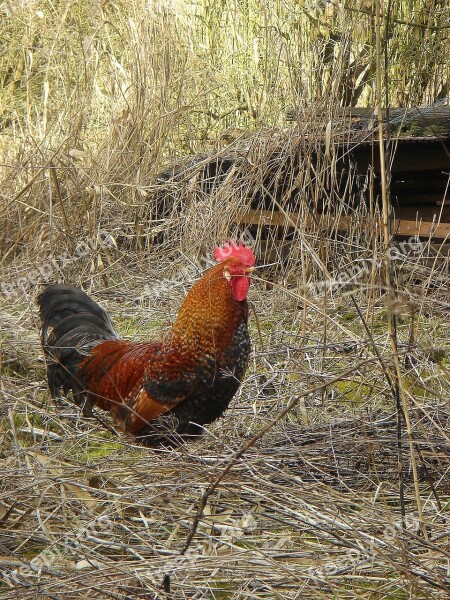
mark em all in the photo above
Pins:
pixel 311 509
pixel 328 477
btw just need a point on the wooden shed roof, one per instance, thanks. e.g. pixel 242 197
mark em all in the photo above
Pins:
pixel 418 149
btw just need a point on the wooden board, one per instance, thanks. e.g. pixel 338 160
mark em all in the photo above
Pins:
pixel 408 221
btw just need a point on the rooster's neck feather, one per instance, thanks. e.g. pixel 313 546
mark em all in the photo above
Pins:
pixel 209 314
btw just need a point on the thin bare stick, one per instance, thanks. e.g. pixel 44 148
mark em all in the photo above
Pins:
pixel 400 397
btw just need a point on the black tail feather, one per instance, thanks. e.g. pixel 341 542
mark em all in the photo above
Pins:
pixel 77 325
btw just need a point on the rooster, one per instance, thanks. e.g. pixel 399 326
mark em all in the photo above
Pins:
pixel 161 391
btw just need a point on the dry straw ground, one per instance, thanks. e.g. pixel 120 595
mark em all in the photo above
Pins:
pixel 305 488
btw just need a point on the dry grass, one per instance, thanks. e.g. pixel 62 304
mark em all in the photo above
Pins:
pixel 96 100
pixel 310 510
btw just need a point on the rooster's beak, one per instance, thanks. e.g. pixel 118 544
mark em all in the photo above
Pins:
pixel 250 270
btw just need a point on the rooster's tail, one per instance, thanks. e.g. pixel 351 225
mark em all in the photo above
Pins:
pixel 77 325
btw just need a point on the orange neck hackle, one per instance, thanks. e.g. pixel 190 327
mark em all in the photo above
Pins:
pixel 216 304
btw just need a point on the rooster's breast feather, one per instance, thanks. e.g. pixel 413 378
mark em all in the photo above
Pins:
pixel 168 383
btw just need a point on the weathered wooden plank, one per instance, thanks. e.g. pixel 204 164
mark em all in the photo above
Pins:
pixel 405 222
pixel 428 115
pixel 422 228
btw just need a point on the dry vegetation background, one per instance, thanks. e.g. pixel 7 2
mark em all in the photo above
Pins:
pixel 96 98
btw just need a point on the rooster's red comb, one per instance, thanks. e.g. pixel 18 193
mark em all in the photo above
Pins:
pixel 239 250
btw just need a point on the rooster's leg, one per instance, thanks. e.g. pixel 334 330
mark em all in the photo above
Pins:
pixel 85 403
